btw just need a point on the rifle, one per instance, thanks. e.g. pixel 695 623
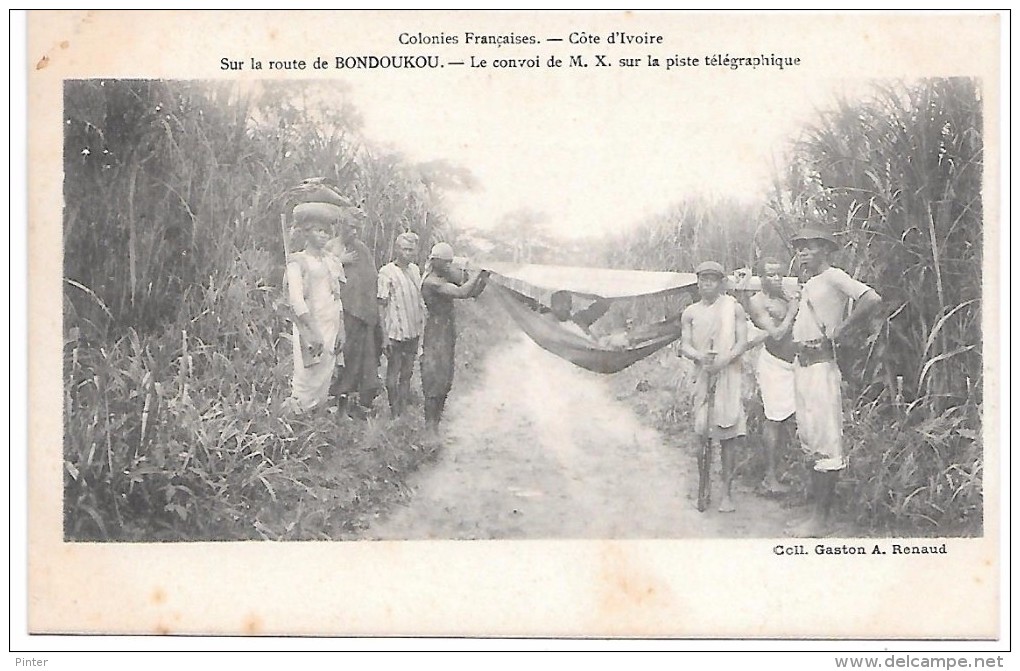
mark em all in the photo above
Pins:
pixel 705 449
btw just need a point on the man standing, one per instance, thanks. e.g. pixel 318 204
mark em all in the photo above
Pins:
pixel 818 326
pixel 773 312
pixel 360 373
pixel 402 312
pixel 714 336
pixel 440 286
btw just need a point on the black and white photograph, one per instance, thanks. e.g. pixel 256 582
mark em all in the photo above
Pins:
pixel 498 282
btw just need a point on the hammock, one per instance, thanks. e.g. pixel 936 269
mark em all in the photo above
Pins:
pixel 526 292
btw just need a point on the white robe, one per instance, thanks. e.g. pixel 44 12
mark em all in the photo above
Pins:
pixel 714 329
pixel 314 289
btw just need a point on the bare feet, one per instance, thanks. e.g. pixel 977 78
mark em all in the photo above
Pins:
pixel 811 527
pixel 770 486
pixel 801 518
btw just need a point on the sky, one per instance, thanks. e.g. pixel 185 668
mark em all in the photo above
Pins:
pixel 595 154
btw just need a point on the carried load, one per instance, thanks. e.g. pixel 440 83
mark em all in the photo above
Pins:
pixel 557 306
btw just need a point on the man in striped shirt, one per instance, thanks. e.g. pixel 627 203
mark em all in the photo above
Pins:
pixel 403 319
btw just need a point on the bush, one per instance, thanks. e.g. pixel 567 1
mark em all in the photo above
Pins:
pixel 897 175
pixel 178 437
pixel 176 352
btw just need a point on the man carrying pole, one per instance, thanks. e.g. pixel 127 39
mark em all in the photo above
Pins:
pixel 818 326
pixel 714 336
pixel 773 312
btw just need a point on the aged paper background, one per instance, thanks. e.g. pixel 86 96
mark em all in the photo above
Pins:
pixel 696 588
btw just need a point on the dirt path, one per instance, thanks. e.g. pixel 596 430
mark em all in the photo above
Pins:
pixel 542 449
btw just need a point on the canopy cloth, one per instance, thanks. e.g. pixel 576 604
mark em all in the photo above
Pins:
pixel 525 291
pixel 536 280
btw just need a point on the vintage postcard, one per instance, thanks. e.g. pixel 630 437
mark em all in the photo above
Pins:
pixel 569 324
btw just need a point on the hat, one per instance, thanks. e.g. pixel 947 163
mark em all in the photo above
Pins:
pixel 442 251
pixel 710 267
pixel 326 214
pixel 806 234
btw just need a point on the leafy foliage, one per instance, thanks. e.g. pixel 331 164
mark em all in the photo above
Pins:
pixel 897 177
pixel 176 353
pixel 689 232
pixel 176 358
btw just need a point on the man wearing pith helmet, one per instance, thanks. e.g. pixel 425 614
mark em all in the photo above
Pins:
pixel 441 284
pixel 714 336
pixel 820 324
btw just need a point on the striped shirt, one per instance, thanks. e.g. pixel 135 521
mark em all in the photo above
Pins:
pixel 403 308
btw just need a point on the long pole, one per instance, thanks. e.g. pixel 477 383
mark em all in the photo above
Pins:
pixel 705 449
pixel 306 359
pixel 283 230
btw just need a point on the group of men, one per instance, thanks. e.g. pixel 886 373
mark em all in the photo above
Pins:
pixel 398 311
pixel 797 371
pixel 402 311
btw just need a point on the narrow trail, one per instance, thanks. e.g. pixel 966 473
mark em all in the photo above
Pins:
pixel 541 449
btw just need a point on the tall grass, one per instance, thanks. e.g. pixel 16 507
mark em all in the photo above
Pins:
pixel 175 357
pixel 176 354
pixel 692 230
pixel 897 175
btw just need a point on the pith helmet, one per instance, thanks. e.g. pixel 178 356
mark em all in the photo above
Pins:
pixel 442 251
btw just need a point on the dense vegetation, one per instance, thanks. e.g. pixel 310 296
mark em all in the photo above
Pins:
pixel 176 358
pixel 898 177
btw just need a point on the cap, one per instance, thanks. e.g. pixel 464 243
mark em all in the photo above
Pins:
pixel 710 267
pixel 316 213
pixel 442 251
pixel 814 234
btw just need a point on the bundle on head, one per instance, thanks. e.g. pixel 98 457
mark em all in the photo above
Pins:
pixel 316 190
pixel 310 216
pixel 317 214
